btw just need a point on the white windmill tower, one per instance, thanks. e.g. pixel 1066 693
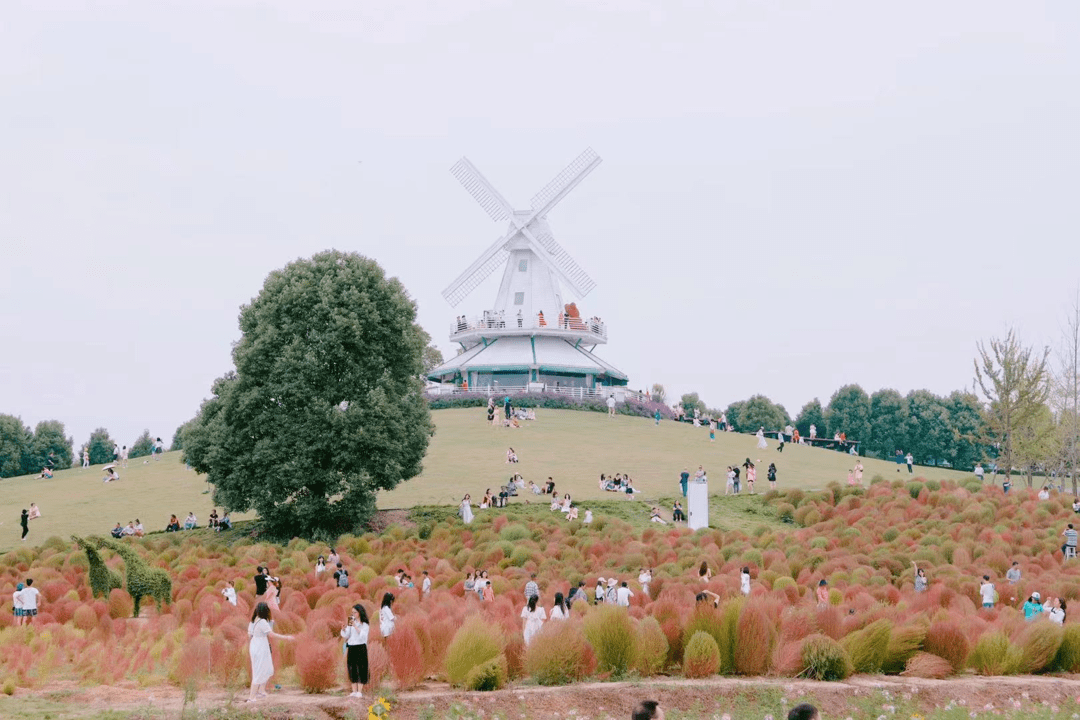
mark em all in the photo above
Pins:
pixel 528 337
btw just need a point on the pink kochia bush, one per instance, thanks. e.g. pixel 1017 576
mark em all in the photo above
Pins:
pixel 862 541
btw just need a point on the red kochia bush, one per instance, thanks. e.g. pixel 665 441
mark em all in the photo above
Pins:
pixel 318 664
pixel 945 639
pixel 754 638
pixel 406 657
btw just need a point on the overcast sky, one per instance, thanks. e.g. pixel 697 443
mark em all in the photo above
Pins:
pixel 793 196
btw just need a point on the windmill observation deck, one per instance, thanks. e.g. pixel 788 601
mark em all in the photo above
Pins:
pixel 491 325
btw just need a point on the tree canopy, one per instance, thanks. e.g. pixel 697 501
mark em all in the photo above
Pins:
pixel 811 414
pixel 756 412
pixel 142 445
pixel 849 413
pixel 101 446
pixel 15 439
pixel 325 407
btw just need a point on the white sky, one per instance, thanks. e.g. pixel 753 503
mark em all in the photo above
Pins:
pixel 793 195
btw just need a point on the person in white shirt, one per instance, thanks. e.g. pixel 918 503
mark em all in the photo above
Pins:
pixel 623 595
pixel 979 472
pixel 610 407
pixel 1055 610
pixel 986 590
pixel 532 619
pixel 356 659
pixel 16 598
pixel 426 587
pixel 124 452
pixel 229 592
pixel 599 592
pixel 588 517
pixel 744 581
pixel 644 578
pixel 559 611
pixel 29 596
pixel 386 616
pixel 130 529
pixel 1044 494
pixel 320 566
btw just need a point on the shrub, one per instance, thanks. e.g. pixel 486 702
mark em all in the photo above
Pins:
pixel 945 639
pixel 904 642
pixel 867 647
pixel 785 512
pixel 318 664
pixel 559 654
pixel 487 676
pixel 652 647
pixel 1038 645
pixel 193 663
pixel 406 657
pixel 825 659
pixel 9 686
pixel 474 644
pixel 994 655
pixel 925 665
pixel 1068 655
pixel 701 657
pixel 84 617
pixel 120 604
pixel 754 639
pixel 611 633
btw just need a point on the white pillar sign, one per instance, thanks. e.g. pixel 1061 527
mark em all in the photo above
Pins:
pixel 697 505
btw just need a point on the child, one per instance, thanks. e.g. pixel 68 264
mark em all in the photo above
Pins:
pixel 229 592
pixel 426 587
pixel 986 590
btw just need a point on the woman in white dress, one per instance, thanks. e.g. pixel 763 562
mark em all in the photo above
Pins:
pixel 386 615
pixel 559 610
pixel 466 509
pixel 761 439
pixel 644 578
pixel 262 663
pixel 532 619
pixel 744 581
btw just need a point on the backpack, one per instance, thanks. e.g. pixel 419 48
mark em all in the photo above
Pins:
pixel 343 579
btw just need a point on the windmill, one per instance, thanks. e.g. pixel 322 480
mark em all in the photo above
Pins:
pixel 528 335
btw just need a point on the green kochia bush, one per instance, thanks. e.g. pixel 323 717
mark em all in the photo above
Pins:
pixel 825 659
pixel 487 676
pixel 559 654
pixel 868 647
pixel 1068 655
pixel 701 657
pixel 652 647
pixel 474 644
pixel 995 655
pixel 610 631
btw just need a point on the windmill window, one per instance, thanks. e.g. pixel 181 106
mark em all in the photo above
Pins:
pixel 523 265
pixel 519 298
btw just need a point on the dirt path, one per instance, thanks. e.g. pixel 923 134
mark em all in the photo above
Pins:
pixel 737 697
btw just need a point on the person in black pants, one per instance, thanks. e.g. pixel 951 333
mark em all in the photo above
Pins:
pixel 356 659
pixel 260 582
pixel 25 523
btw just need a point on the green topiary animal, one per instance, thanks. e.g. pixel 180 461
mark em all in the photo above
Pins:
pixel 102 579
pixel 142 580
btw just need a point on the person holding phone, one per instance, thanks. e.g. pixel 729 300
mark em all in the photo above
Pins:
pixel 355 633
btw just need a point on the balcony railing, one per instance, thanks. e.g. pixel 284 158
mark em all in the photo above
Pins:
pixel 497 322
pixel 622 394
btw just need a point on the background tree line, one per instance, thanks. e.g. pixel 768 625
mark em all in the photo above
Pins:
pixel 24 451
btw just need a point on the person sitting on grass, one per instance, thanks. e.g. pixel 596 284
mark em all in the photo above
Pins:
pixel 549 487
pixel 556 503
pixel 628 488
pixel 677 514
pixel 213 519
pixel 225 523
pixel 118 531
pixel 572 514
pixel 110 476
pixel 173 526
pixel 511 456
pixel 34 512
pixel 488 500
pixel 191 522
pixel 139 531
pixel 655 516
pixel 129 530
pixel 535 488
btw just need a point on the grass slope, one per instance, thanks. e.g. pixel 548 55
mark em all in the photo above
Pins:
pixel 466 456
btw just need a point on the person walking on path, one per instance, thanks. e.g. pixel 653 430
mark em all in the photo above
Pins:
pixel 771 475
pixel 356 633
pixel 24 520
pixel 386 615
pixel 262 662
pixel 465 509
pixel 532 619
pixel 86 457
pixel 761 444
pixel 909 460
pixel 610 408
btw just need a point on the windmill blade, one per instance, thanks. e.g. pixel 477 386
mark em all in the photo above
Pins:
pixel 570 272
pixel 564 182
pixel 482 191
pixel 476 273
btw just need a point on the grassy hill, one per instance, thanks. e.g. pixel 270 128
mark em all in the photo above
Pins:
pixel 466 456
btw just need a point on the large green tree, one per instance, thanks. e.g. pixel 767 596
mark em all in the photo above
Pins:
pixel 965 419
pixel 758 411
pixel 101 446
pixel 849 413
pixel 888 423
pixel 690 402
pixel 1014 380
pixel 811 414
pixel 929 433
pixel 49 438
pixel 15 439
pixel 325 407
pixel 142 445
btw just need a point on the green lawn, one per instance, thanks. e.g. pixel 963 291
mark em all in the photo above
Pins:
pixel 466 456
